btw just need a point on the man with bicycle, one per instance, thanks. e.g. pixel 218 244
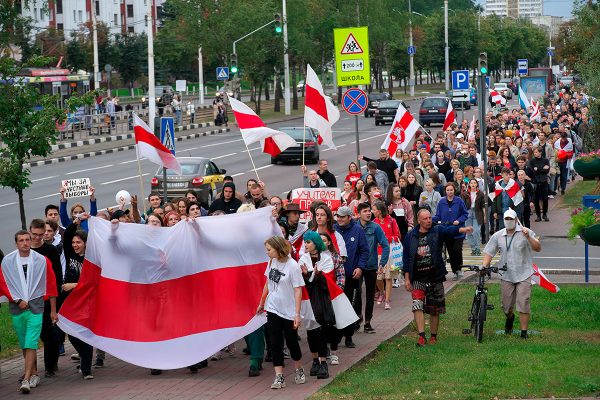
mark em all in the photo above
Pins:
pixel 515 244
pixel 425 271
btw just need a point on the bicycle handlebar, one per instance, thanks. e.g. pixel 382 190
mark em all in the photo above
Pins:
pixel 479 268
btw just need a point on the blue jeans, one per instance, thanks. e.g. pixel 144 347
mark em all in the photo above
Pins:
pixel 473 238
pixel 178 114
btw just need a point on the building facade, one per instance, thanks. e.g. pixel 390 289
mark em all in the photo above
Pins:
pixel 121 16
pixel 514 8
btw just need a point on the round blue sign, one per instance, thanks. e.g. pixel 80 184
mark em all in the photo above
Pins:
pixel 354 101
pixel 411 50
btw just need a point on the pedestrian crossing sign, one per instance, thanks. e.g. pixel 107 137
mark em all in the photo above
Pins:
pixel 352 65
pixel 222 73
pixel 167 133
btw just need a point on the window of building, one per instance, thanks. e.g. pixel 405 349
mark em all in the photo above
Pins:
pixel 130 29
pixel 116 20
pixel 80 16
pixel 129 10
pixel 41 14
pixel 97 8
pixel 60 27
pixel 35 14
pixel 74 16
pixel 59 7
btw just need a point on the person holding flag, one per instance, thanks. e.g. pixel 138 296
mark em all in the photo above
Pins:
pixel 516 244
pixel 402 132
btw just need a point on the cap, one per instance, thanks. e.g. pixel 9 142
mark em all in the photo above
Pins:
pixel 344 212
pixel 118 214
pixel 460 136
pixel 510 213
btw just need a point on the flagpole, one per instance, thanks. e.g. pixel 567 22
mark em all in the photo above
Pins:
pixel 303 144
pixel 252 161
pixel 137 155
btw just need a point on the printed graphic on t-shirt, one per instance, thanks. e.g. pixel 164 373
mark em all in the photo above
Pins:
pixel 424 261
pixel 275 275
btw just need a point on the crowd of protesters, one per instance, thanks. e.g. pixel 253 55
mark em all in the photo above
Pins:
pixel 430 198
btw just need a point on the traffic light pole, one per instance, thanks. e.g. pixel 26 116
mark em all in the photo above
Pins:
pixel 481 98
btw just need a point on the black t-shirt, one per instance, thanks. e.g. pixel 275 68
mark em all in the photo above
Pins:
pixel 52 254
pixel 424 269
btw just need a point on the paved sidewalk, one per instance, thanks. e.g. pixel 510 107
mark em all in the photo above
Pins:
pixel 223 379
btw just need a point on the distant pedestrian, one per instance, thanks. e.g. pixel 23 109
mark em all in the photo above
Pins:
pixel 191 111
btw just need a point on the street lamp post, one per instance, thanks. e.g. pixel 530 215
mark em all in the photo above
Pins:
pixel 95 45
pixel 286 63
pixel 411 77
pixel 151 88
pixel 446 50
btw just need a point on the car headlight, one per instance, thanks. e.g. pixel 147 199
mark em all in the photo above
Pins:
pixel 143 99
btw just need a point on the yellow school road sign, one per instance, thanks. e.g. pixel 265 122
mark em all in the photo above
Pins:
pixel 352 56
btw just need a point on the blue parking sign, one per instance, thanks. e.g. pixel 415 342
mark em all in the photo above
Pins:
pixel 167 133
pixel 460 80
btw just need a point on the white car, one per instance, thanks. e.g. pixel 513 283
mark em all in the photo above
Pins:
pixel 503 89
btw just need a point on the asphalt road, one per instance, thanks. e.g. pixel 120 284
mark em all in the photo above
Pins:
pixel 110 173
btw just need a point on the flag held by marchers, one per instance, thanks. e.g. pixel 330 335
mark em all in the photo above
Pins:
pixel 319 111
pixel 450 117
pixel 150 147
pixel 402 133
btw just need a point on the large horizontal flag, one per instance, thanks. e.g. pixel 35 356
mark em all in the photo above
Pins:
pixel 168 298
pixel 254 130
pixel 523 100
pixel 150 147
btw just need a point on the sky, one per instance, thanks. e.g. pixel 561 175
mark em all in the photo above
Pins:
pixel 558 8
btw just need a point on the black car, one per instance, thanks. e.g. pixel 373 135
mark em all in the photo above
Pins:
pixel 433 110
pixel 386 111
pixel 374 99
pixel 306 138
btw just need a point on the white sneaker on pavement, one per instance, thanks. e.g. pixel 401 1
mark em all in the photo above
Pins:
pixel 34 380
pixel 300 378
pixel 25 388
pixel 334 359
pixel 279 382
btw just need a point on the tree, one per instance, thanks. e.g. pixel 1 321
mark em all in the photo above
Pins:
pixel 132 53
pixel 77 56
pixel 27 124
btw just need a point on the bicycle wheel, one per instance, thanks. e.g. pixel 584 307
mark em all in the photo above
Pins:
pixel 481 317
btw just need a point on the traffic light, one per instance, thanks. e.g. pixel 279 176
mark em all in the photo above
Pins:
pixel 483 63
pixel 277 19
pixel 233 64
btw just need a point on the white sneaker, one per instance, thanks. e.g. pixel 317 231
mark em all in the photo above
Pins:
pixel 88 377
pixel 25 388
pixel 550 196
pixel 300 378
pixel 396 283
pixel 334 359
pixel 34 380
pixel 279 382
pixel 459 275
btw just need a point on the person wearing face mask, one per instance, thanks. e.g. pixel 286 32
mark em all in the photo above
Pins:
pixel 515 244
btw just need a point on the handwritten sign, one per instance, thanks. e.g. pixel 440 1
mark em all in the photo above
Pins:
pixel 78 187
pixel 304 197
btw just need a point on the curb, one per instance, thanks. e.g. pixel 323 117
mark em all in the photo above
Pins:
pixel 114 150
pixel 114 138
pixel 559 271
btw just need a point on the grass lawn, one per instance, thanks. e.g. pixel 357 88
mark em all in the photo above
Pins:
pixel 561 361
pixel 8 337
pixel 572 197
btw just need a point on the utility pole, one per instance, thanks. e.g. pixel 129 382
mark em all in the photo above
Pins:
pixel 411 77
pixel 550 46
pixel 286 62
pixel 200 75
pixel 446 50
pixel 151 89
pixel 95 46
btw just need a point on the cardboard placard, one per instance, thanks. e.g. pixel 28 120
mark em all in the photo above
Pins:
pixel 305 196
pixel 78 187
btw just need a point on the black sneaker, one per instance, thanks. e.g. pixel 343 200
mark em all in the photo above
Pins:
pixel 323 371
pixel 508 325
pixel 538 219
pixel 254 371
pixel 369 328
pixel 546 218
pixel 99 363
pixel 49 374
pixel 314 369
pixel 155 371
pixel 350 344
pixel 524 335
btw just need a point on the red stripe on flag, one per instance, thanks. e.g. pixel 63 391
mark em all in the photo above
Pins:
pixel 142 135
pixel 246 121
pixel 405 120
pixel 202 302
pixel 271 147
pixel 315 101
pixel 513 190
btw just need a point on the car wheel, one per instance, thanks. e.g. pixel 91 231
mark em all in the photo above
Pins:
pixel 274 160
pixel 366 114
pixel 376 123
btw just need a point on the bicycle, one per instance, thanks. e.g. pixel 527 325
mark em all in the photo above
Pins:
pixel 480 306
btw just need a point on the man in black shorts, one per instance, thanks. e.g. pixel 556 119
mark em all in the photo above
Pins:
pixel 425 271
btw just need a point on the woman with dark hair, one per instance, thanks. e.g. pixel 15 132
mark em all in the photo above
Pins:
pixel 182 205
pixel 154 220
pixel 358 195
pixel 385 275
pixel 353 173
pixel 74 243
pixel 370 178
pixel 507 158
pixel 400 209
pixel 475 204
pixel 322 222
pixel 347 192
pixel 491 144
pixel 413 191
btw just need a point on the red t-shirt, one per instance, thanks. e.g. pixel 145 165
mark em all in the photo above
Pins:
pixel 390 229
pixel 353 177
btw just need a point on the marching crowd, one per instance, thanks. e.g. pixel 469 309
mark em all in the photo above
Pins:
pixel 430 198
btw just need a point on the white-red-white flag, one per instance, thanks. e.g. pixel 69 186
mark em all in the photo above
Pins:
pixel 471 132
pixel 150 147
pixel 497 97
pixel 319 111
pixel 254 130
pixel 450 117
pixel 402 133
pixel 539 278
pixel 167 298
pixel 513 190
pixel 535 111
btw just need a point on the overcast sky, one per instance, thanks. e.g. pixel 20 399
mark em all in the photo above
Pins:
pixel 559 8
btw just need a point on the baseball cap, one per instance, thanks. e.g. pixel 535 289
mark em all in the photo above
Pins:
pixel 460 135
pixel 510 213
pixel 344 212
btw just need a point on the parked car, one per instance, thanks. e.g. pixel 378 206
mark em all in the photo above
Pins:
pixel 473 96
pixel 511 85
pixel 433 110
pixel 504 90
pixel 306 138
pixel 374 99
pixel 198 173
pixel 386 111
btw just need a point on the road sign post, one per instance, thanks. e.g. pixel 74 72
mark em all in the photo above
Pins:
pixel 355 102
pixel 352 56
pixel 167 138
pixel 481 98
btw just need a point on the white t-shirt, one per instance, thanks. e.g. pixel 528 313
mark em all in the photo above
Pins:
pixel 283 277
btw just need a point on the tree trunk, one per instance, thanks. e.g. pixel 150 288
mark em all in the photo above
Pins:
pixel 258 95
pixel 267 94
pixel 278 92
pixel 253 93
pixel 22 209
pixel 405 85
pixel 293 88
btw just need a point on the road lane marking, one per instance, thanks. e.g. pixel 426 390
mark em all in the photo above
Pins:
pixel 89 169
pixel 44 197
pixel 220 143
pixel 253 149
pixel 567 258
pixel 223 156
pixel 259 168
pixel 123 179
pixel 43 179
pixel 238 174
pixel 8 204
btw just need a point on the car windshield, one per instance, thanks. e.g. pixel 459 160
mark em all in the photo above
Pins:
pixel 298 133
pixel 378 96
pixel 436 103
pixel 389 104
pixel 186 169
